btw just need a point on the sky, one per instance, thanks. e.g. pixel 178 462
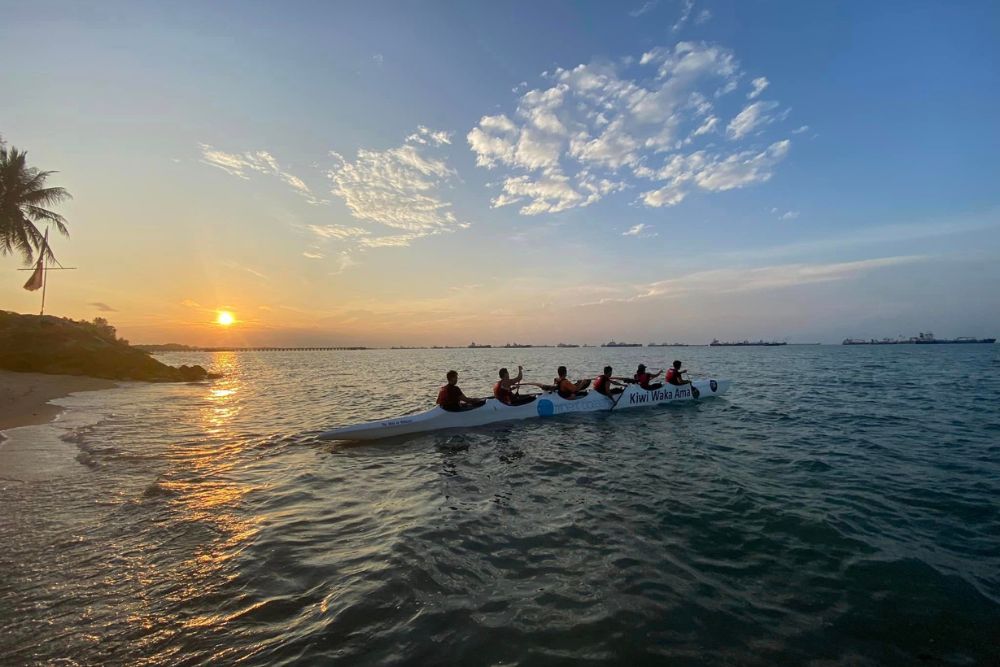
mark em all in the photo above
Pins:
pixel 400 173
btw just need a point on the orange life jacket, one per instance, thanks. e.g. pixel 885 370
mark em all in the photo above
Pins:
pixel 503 394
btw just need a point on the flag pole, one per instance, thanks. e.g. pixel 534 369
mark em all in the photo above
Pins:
pixel 39 274
pixel 45 282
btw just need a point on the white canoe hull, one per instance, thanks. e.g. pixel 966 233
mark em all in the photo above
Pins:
pixel 548 404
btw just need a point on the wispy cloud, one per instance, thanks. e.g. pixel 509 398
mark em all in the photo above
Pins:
pixel 789 215
pixel 424 135
pixel 397 187
pixel 262 162
pixel 641 230
pixel 736 280
pixel 647 7
pixel 581 138
pixel 713 172
pixel 337 231
pixel 800 129
pixel 686 8
pixel 753 116
pixel 103 307
pixel 236 266
pixel 882 235
pixel 759 84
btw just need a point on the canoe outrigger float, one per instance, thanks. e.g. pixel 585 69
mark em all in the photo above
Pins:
pixel 548 404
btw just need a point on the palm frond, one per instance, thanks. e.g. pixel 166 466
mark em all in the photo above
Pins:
pixel 23 198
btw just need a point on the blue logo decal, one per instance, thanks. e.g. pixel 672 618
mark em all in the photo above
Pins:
pixel 545 408
pixel 714 385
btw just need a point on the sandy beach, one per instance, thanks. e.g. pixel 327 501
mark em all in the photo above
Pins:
pixel 24 397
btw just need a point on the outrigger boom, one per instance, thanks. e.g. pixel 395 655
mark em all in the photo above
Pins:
pixel 548 404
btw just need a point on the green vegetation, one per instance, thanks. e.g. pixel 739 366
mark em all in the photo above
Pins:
pixel 29 343
pixel 23 198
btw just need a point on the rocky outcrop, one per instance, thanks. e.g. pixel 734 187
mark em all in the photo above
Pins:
pixel 29 343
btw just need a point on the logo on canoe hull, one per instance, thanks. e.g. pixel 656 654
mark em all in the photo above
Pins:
pixel 713 385
pixel 545 408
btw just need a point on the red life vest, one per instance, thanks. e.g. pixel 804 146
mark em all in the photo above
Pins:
pixel 449 396
pixel 601 384
pixel 643 379
pixel 673 376
pixel 502 394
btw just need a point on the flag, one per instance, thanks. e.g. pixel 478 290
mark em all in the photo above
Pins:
pixel 37 277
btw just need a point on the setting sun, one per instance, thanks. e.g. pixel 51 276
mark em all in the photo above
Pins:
pixel 224 318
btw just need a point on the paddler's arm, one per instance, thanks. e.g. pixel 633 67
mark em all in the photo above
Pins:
pixel 520 375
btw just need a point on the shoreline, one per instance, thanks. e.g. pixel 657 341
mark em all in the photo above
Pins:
pixel 24 397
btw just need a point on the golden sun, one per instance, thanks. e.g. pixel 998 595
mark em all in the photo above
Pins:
pixel 224 318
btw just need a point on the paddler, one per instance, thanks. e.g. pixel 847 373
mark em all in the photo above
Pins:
pixel 504 389
pixel 566 387
pixel 608 385
pixel 451 398
pixel 643 379
pixel 674 377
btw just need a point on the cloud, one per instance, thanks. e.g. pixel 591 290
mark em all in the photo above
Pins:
pixel 713 172
pixel 789 215
pixel 344 260
pixel 103 307
pixel 337 231
pixel 708 126
pixel 426 136
pixel 703 17
pixel 648 6
pixel 378 59
pixel 579 139
pixel 752 117
pixel 312 254
pixel 236 266
pixel 800 130
pixel 737 280
pixel 686 9
pixel 262 162
pixel 641 230
pixel 759 84
pixel 397 187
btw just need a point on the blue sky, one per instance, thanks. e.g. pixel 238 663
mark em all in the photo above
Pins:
pixel 416 172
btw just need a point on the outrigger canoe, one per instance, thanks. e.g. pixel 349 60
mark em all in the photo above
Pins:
pixel 548 404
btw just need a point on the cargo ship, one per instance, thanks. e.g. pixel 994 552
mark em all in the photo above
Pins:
pixel 614 344
pixel 746 343
pixel 922 339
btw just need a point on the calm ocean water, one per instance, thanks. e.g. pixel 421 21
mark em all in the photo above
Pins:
pixel 840 506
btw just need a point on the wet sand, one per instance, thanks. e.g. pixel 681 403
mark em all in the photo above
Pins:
pixel 24 397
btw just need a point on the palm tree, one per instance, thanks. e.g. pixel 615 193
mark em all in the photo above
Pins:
pixel 23 198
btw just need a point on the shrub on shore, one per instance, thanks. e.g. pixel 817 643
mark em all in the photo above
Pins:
pixel 47 344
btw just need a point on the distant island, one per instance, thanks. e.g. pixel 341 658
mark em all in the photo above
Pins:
pixel 58 345
pixel 923 339
pixel 614 344
pixel 746 343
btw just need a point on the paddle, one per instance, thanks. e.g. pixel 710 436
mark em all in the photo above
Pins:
pixel 615 403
